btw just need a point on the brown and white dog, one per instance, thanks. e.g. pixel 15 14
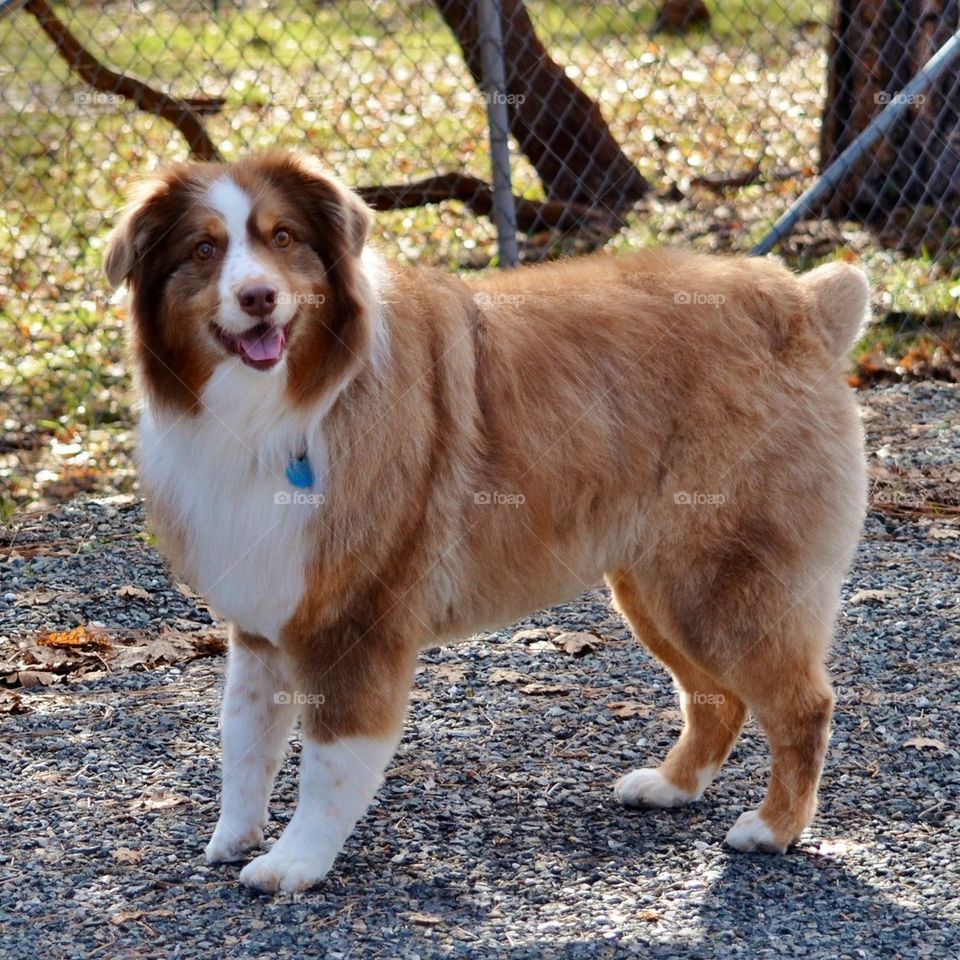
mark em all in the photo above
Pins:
pixel 353 461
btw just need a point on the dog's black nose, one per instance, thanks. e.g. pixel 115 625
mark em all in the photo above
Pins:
pixel 257 301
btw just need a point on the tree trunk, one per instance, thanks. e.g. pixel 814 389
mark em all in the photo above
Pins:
pixel 913 176
pixel 557 126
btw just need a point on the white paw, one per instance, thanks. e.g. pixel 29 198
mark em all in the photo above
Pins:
pixel 649 788
pixel 751 832
pixel 276 870
pixel 229 844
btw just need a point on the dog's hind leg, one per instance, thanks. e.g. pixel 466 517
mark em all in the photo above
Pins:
pixel 258 712
pixel 790 695
pixel 712 717
pixel 798 742
pixel 765 635
pixel 759 638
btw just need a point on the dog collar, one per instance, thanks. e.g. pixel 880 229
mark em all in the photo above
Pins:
pixel 299 472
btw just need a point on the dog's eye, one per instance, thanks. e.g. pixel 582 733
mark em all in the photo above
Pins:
pixel 204 250
pixel 282 238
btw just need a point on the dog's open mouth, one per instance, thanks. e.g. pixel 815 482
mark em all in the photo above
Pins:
pixel 261 347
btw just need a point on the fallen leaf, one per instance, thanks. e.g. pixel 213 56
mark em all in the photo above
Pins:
pixel 626 709
pixel 77 637
pixel 28 679
pixel 920 743
pixel 423 919
pixel 207 643
pixel 126 855
pixel 170 646
pixel 541 645
pixel 576 643
pixel 40 597
pixel 536 635
pixel 125 916
pixel 449 673
pixel 535 688
pixel 12 704
pixel 129 590
pixel 131 655
pixel 529 685
pixel 158 801
pixel 874 596
pixel 167 648
pixel 507 676
pixel 186 625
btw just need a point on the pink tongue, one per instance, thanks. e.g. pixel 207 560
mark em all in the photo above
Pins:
pixel 266 347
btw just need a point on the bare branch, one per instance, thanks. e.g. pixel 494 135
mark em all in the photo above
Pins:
pixel 477 196
pixel 182 114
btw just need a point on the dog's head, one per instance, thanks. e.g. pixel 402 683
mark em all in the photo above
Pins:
pixel 255 263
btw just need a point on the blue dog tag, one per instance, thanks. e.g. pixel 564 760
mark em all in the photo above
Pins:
pixel 300 473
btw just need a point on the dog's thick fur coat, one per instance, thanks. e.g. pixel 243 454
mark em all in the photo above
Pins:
pixel 676 423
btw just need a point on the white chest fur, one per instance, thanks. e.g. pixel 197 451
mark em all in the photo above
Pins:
pixel 221 476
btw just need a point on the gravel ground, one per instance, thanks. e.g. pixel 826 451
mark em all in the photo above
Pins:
pixel 496 833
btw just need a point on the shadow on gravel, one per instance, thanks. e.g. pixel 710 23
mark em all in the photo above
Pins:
pixel 810 901
pixel 122 796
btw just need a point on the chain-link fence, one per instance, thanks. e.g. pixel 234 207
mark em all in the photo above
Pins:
pixel 630 124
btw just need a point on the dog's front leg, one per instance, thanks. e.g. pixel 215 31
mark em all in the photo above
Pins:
pixel 258 712
pixel 352 721
pixel 337 782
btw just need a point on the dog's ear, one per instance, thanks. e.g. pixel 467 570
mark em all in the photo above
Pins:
pixel 361 219
pixel 129 243
pixel 357 218
pixel 343 220
pixel 338 223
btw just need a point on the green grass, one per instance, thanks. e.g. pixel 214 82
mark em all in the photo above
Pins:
pixel 380 92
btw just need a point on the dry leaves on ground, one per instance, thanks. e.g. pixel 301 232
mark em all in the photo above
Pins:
pixel 531 685
pixel 627 709
pixel 924 743
pixel 92 652
pixel 574 642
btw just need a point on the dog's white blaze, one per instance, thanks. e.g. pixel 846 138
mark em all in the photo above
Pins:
pixel 240 266
pixel 337 783
pixel 254 730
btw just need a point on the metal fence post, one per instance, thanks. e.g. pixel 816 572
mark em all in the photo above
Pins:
pixel 831 178
pixel 494 87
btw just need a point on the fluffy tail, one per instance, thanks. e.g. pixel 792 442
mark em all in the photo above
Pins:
pixel 841 295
